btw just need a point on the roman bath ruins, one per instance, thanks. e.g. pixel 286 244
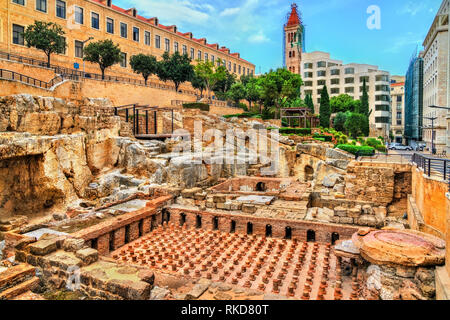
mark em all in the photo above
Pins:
pixel 89 209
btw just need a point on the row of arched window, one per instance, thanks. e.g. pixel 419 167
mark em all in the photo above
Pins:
pixel 310 234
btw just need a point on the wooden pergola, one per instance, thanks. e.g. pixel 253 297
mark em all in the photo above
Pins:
pixel 303 115
pixel 135 110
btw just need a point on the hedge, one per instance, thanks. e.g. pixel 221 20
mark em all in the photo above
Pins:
pixel 201 106
pixel 297 131
pixel 243 115
pixel 324 137
pixel 359 150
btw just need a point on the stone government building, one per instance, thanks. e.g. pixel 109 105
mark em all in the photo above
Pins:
pixel 100 19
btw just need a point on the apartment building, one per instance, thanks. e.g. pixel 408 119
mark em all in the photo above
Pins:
pixel 100 20
pixel 318 69
pixel 436 82
pixel 398 108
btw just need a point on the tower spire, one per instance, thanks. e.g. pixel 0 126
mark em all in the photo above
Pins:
pixel 294 18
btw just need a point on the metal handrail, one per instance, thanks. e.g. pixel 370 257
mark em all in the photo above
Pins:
pixel 15 76
pixel 75 74
pixel 433 167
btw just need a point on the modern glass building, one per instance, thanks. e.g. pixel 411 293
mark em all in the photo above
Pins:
pixel 414 101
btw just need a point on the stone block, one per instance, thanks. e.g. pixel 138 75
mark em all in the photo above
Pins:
pixel 196 291
pixel 73 244
pixel 367 209
pixel 63 260
pixel 200 196
pixel 340 211
pixel 88 256
pixel 236 206
pixel 43 247
pixel 190 193
pixel 367 220
pixel 345 220
pixel 354 212
pixel 219 198
pixel 335 219
pixel 210 204
pixel 147 276
pixel 248 208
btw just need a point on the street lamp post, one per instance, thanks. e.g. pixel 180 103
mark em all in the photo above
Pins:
pixel 85 41
pixel 435 118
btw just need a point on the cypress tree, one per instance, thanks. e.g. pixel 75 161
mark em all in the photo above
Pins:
pixel 309 103
pixel 364 109
pixel 325 110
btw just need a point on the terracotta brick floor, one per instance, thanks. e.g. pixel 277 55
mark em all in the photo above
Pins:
pixel 289 268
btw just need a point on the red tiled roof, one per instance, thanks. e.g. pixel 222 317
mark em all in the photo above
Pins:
pixel 187 34
pixel 294 19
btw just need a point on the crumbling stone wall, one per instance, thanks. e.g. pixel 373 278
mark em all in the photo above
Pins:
pixel 377 183
pixel 397 283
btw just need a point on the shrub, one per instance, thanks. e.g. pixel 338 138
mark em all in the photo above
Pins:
pixel 243 115
pixel 201 106
pixel 320 139
pixel 324 137
pixel 297 131
pixel 372 142
pixel 360 150
pixel 381 148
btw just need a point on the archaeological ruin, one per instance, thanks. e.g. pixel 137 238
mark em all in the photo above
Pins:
pixel 207 208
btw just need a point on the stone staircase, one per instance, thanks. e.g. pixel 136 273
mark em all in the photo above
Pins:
pixel 17 280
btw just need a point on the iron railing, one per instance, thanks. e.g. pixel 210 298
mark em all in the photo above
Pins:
pixel 398 158
pixel 15 76
pixel 74 74
pixel 433 167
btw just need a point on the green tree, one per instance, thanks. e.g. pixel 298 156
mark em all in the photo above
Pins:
pixel 278 86
pixel 339 121
pixel 104 52
pixel 364 108
pixel 206 71
pixel 354 124
pixel 224 82
pixel 342 103
pixel 45 36
pixel 253 92
pixel 309 103
pixel 325 111
pixel 236 93
pixel 198 83
pixel 176 68
pixel 144 64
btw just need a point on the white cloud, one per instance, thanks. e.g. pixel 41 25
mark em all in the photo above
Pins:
pixel 259 37
pixel 229 12
pixel 179 12
pixel 413 9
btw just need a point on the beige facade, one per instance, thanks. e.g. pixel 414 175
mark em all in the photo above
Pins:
pixel 318 69
pixel 100 19
pixel 436 81
pixel 398 108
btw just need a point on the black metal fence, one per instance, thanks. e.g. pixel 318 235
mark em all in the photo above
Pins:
pixel 433 167
pixel 15 76
pixel 76 75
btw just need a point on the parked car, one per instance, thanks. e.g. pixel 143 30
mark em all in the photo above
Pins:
pixel 421 146
pixel 399 146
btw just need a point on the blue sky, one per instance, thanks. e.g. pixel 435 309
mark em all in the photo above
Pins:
pixel 254 27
